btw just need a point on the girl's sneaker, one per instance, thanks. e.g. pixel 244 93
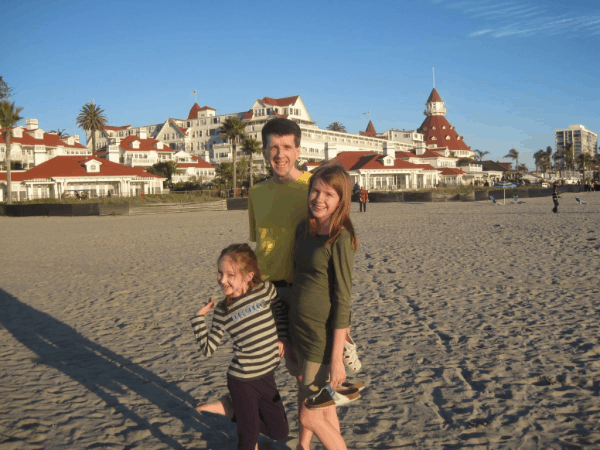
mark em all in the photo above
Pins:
pixel 350 356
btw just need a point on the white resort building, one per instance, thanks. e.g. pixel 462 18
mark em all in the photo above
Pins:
pixel 74 176
pixel 31 146
pixel 435 143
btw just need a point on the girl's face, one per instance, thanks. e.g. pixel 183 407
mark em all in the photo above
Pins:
pixel 231 279
pixel 323 200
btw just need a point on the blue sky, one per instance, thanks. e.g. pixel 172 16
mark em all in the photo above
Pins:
pixel 509 72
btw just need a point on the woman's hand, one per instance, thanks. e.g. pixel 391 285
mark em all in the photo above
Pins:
pixel 206 307
pixel 281 344
pixel 337 373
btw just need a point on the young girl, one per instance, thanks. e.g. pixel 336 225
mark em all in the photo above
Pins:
pixel 246 314
pixel 320 306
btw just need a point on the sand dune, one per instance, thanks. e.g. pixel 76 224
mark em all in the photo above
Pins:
pixel 478 326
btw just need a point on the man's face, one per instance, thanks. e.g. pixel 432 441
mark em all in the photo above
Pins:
pixel 282 153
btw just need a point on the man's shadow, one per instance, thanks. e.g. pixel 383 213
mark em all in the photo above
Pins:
pixel 107 374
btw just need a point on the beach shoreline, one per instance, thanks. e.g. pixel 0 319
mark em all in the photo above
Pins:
pixel 477 325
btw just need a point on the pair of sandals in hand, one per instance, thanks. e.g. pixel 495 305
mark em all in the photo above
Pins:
pixel 347 392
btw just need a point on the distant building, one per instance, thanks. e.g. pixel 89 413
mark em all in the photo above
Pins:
pixel 199 134
pixel 377 171
pixel 438 132
pixel 72 176
pixel 31 146
pixel 582 140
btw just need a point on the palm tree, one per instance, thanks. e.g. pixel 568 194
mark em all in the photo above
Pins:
pixel 542 160
pixel 585 160
pixel 233 129
pixel 9 117
pixel 557 157
pixel 250 146
pixel 480 154
pixel 568 157
pixel 549 157
pixel 514 155
pixel 91 119
pixel 4 89
pixel 61 132
pixel 336 126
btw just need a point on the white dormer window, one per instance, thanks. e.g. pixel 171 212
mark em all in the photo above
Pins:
pixel 447 137
pixel 433 128
pixel 458 138
pixel 92 166
pixel 433 138
pixel 443 127
pixel 424 128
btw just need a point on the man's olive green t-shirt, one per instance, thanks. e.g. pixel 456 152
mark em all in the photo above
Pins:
pixel 274 212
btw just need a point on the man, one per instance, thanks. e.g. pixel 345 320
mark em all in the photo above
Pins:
pixel 278 205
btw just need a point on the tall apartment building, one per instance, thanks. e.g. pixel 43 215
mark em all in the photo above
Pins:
pixel 582 140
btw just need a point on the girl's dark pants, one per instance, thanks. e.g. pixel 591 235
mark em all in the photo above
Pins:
pixel 363 207
pixel 258 409
pixel 555 205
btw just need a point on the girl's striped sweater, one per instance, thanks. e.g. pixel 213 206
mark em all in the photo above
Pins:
pixel 254 322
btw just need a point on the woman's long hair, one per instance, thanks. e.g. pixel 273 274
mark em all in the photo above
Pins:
pixel 334 175
pixel 245 261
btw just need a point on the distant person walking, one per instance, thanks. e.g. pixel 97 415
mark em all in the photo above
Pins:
pixel 363 198
pixel 555 197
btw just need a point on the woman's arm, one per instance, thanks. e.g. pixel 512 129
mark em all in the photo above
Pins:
pixel 337 371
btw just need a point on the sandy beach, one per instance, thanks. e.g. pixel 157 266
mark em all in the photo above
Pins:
pixel 478 326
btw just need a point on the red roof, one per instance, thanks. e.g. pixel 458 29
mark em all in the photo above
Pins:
pixel 370 131
pixel 200 163
pixel 438 127
pixel 451 171
pixel 434 97
pixel 112 128
pixel 196 109
pixel 48 139
pixel 249 115
pixel 146 145
pixel 73 166
pixel 371 160
pixel 280 101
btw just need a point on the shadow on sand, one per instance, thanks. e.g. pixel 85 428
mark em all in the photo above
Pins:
pixel 107 375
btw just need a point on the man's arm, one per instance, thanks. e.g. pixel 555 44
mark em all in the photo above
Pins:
pixel 251 219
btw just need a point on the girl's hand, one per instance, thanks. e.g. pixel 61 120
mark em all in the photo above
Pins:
pixel 337 373
pixel 206 307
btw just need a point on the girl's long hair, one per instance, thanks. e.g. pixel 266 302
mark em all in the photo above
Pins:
pixel 334 175
pixel 245 261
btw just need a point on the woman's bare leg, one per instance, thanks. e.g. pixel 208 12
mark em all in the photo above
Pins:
pixel 319 421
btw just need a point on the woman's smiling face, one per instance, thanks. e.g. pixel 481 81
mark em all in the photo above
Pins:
pixel 323 200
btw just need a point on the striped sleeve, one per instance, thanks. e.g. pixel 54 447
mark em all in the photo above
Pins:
pixel 209 340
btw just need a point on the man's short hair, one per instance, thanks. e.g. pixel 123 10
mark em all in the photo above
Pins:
pixel 281 127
